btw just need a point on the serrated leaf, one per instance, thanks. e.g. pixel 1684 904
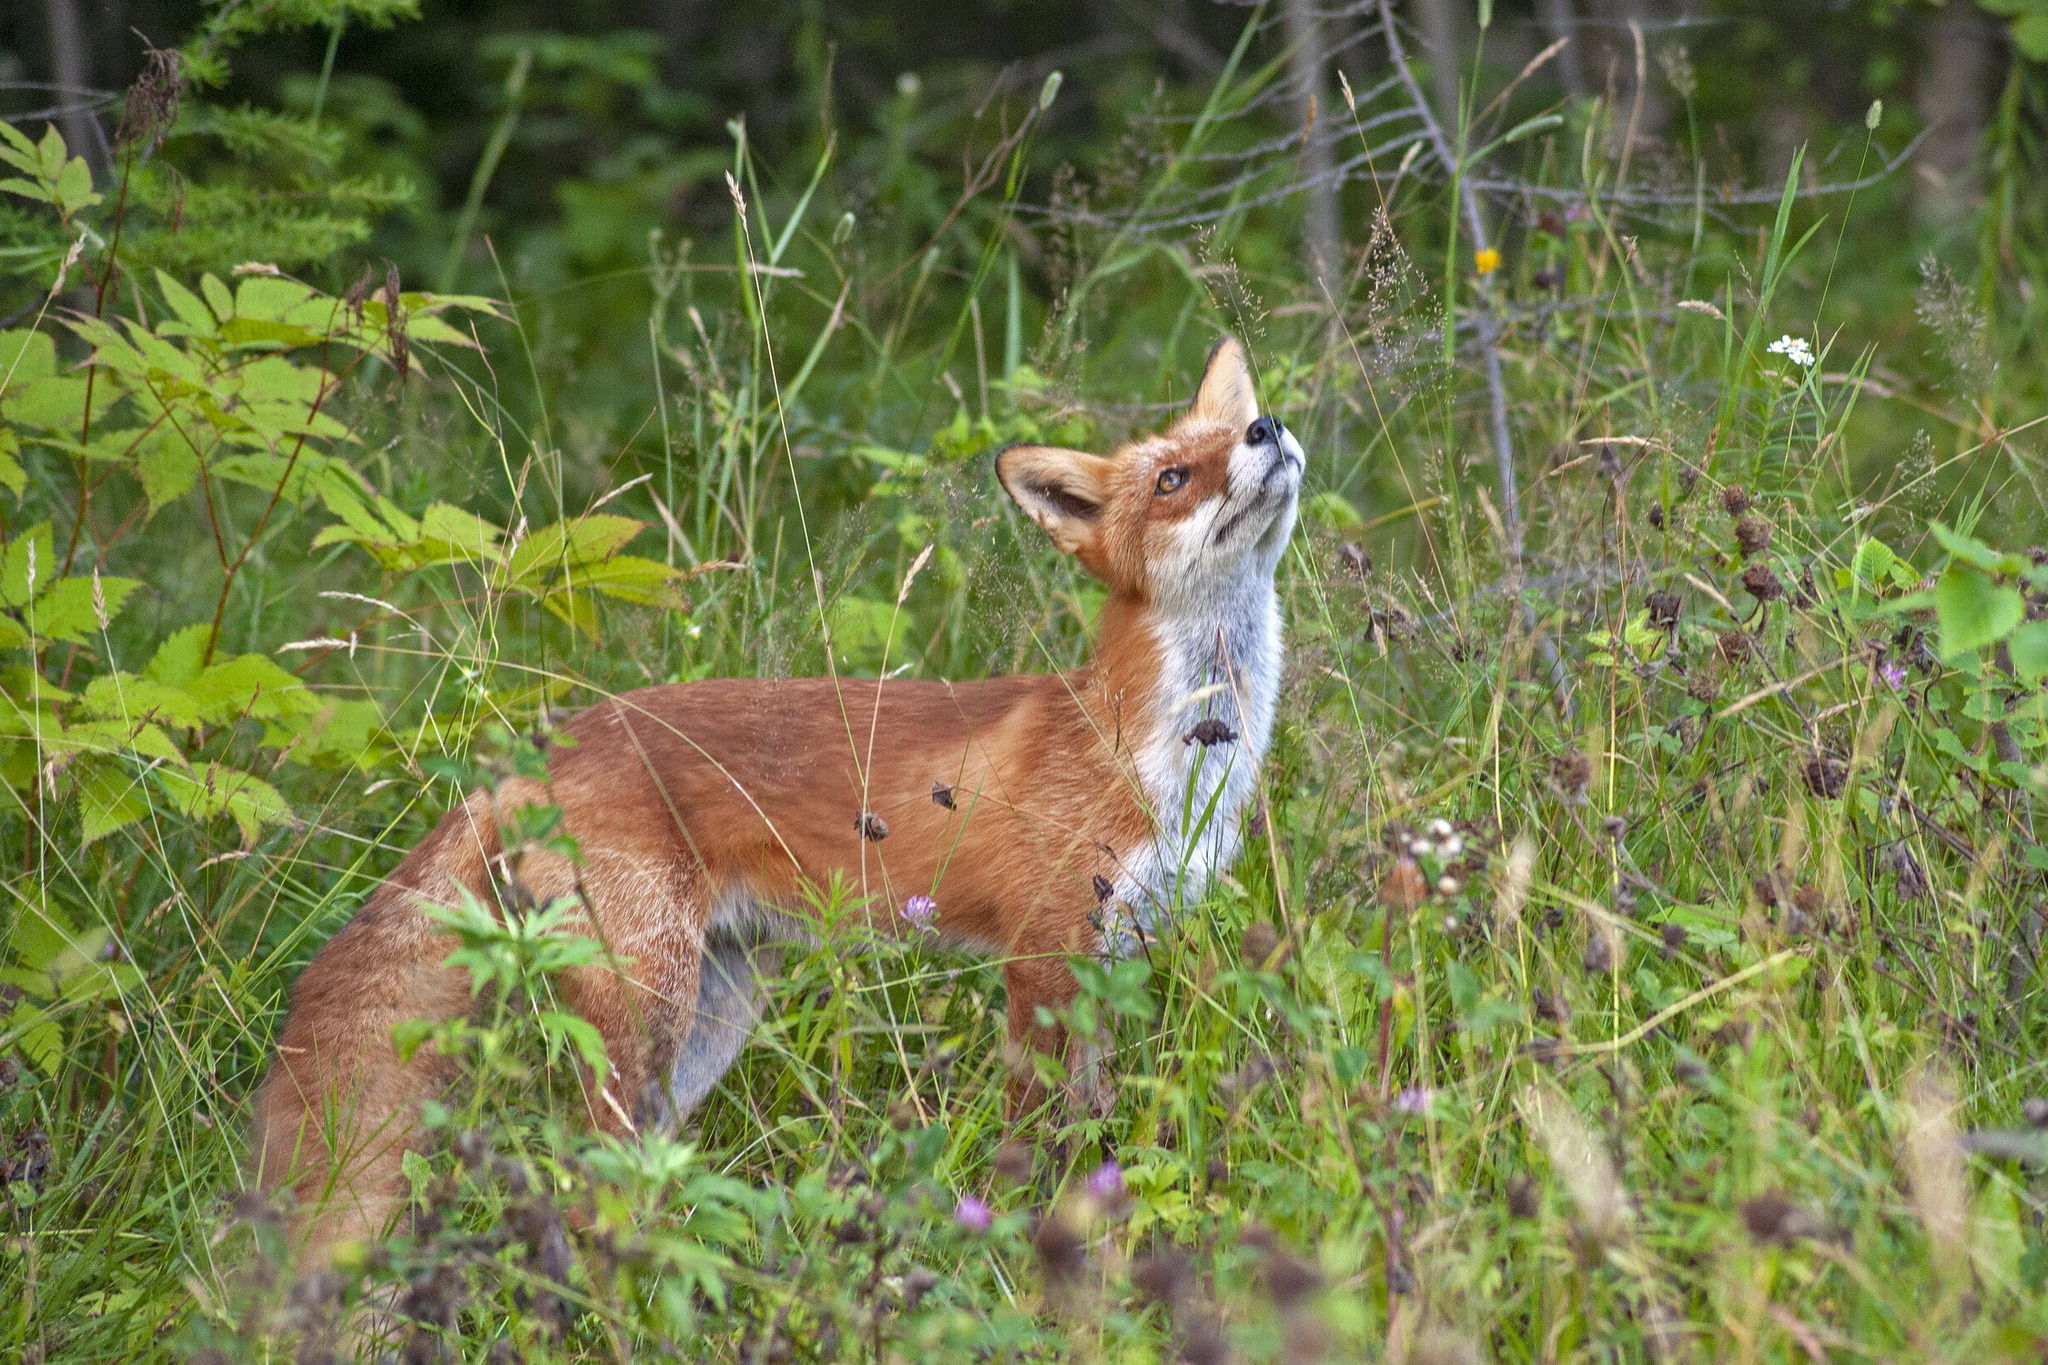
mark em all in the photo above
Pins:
pixel 213 789
pixel 25 356
pixel 109 798
pixel 2028 647
pixel 33 548
pixel 166 467
pixel 187 305
pixel 1973 611
pixel 12 475
pixel 177 659
pixel 65 613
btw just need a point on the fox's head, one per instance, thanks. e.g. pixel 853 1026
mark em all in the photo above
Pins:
pixel 1177 516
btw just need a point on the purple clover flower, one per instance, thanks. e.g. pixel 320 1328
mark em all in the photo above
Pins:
pixel 1892 673
pixel 1106 1181
pixel 920 911
pixel 1413 1099
pixel 974 1214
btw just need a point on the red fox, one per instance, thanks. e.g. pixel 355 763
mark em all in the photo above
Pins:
pixel 1042 816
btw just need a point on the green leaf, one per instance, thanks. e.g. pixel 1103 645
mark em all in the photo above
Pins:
pixel 217 296
pixel 213 789
pixel 559 1027
pixel 32 549
pixel 1973 610
pixel 166 467
pixel 11 472
pixel 2028 647
pixel 177 659
pixel 197 317
pixel 108 798
pixel 26 356
pixel 66 612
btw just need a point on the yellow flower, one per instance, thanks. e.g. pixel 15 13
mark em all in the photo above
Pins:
pixel 1487 260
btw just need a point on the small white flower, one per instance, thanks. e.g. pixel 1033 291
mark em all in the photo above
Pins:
pixel 1420 848
pixel 1438 829
pixel 1452 847
pixel 1793 349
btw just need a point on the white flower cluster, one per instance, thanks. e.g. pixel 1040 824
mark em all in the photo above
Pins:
pixel 1440 840
pixel 1793 349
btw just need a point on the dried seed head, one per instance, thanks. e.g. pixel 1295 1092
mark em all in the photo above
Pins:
pixel 1752 535
pixel 942 795
pixel 1522 1201
pixel 1599 955
pixel 1354 560
pixel 1572 772
pixel 1762 583
pixel 1404 888
pixel 1735 500
pixel 152 104
pixel 871 827
pixel 1104 888
pixel 1656 516
pixel 1061 1252
pixel 1674 936
pixel 1825 776
pixel 1261 941
pixel 1013 1162
pixel 2035 1111
pixel 1209 731
pixel 1772 1218
pixel 1163 1276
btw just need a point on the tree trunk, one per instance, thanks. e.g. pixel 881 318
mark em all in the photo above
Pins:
pixel 1308 67
pixel 1559 22
pixel 1443 36
pixel 1957 85
pixel 71 69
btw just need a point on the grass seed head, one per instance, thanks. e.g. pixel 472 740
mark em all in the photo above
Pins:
pixel 1762 583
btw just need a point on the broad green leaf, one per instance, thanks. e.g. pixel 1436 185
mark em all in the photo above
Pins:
pixel 217 296
pixel 1873 563
pixel 66 611
pixel 11 473
pixel 2028 647
pixel 567 544
pixel 56 403
pixel 177 659
pixel 108 798
pixel 25 357
pixel 214 789
pixel 249 685
pixel 125 697
pixel 166 466
pixel 187 305
pixel 74 186
pixel 632 579
pixel 32 555
pixel 1973 610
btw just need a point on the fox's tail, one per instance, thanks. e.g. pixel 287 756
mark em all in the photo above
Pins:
pixel 339 1108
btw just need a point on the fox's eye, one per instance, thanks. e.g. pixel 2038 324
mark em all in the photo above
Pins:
pixel 1170 480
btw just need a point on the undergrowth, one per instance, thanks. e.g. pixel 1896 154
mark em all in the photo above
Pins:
pixel 1638 955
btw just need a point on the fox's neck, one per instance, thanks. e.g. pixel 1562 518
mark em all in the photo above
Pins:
pixel 1194 685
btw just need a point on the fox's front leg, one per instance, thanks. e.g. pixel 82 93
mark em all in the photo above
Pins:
pixel 1036 982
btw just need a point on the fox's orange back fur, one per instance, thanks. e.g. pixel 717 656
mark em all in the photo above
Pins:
pixel 705 811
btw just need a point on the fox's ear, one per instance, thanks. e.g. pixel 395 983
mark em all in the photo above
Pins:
pixel 1226 394
pixel 1062 490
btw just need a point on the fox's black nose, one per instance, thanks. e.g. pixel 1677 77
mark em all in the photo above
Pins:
pixel 1265 431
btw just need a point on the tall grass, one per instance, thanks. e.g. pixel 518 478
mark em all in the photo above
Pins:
pixel 1638 958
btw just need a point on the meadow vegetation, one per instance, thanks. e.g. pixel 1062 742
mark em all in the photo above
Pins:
pixel 1638 955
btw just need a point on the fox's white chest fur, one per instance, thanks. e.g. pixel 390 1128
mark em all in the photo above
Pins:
pixel 1219 685
pixel 1225 669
